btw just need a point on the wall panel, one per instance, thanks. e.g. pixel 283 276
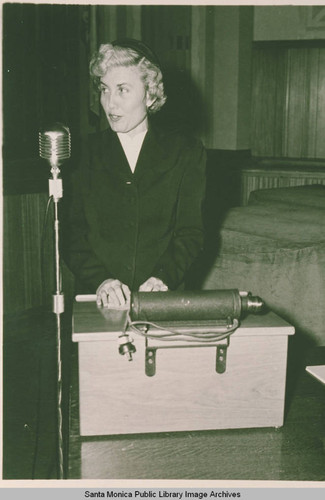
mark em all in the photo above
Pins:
pixel 28 256
pixel 298 95
pixel 288 112
pixel 289 22
pixel 319 106
pixel 221 39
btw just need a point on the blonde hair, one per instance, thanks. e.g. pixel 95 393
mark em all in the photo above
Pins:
pixel 110 56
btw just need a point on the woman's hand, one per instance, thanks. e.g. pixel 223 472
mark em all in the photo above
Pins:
pixel 113 293
pixel 153 285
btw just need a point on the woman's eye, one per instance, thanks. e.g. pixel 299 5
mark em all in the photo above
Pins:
pixel 124 90
pixel 103 90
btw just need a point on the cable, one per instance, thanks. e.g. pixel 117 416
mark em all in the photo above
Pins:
pixel 59 400
pixel 43 239
pixel 39 351
pixel 173 335
pixel 60 464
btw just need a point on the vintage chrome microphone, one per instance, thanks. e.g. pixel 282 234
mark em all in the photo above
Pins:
pixel 55 146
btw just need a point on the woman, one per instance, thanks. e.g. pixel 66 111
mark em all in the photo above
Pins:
pixel 135 219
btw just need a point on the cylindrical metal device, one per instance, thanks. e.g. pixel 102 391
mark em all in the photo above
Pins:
pixel 186 305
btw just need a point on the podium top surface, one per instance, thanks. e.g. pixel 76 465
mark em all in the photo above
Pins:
pixel 91 323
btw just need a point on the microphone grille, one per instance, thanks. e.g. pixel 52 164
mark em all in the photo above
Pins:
pixel 55 143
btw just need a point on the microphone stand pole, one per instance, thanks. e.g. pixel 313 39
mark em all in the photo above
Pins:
pixel 56 191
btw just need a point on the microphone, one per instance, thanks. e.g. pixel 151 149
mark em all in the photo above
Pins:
pixel 55 144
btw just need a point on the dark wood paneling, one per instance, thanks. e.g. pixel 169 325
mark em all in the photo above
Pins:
pixel 269 101
pixel 22 280
pixel 298 80
pixel 28 257
pixel 288 112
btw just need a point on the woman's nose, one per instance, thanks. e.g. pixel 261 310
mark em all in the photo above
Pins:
pixel 107 101
pixel 111 101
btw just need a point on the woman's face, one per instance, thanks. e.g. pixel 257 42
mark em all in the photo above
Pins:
pixel 124 98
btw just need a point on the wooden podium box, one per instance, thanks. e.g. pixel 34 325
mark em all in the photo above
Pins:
pixel 186 393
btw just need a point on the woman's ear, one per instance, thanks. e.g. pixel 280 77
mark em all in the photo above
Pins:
pixel 149 100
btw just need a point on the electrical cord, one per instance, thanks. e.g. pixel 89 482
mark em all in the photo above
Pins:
pixel 59 368
pixel 43 239
pixel 40 353
pixel 173 335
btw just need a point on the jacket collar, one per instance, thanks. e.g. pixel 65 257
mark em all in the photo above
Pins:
pixel 152 155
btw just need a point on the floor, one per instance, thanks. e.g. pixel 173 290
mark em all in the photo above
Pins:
pixel 296 452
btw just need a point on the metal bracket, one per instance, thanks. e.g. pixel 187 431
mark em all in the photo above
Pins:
pixel 150 362
pixel 221 359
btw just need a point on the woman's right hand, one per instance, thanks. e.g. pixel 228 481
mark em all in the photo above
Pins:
pixel 113 293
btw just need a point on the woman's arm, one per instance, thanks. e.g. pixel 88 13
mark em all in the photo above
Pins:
pixel 187 240
pixel 79 255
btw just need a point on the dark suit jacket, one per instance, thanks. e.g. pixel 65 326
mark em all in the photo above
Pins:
pixel 131 226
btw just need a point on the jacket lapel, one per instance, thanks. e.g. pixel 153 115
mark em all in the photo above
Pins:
pixel 152 157
pixel 113 155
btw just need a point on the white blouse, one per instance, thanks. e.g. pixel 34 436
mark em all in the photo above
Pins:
pixel 132 147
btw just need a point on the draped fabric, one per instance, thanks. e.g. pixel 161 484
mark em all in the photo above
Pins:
pixel 275 248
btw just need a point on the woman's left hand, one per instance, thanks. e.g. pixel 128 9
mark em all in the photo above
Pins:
pixel 153 285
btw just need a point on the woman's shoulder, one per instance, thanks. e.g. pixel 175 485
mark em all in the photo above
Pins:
pixel 182 149
pixel 95 138
pixel 85 149
pixel 177 138
pixel 96 144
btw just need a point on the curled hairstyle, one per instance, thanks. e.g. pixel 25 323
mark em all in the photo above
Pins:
pixel 110 56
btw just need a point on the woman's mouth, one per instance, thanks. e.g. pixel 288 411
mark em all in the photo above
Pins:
pixel 115 118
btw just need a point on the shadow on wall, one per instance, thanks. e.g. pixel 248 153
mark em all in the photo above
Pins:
pixel 184 109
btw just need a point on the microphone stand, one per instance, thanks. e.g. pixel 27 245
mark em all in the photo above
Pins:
pixel 56 191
